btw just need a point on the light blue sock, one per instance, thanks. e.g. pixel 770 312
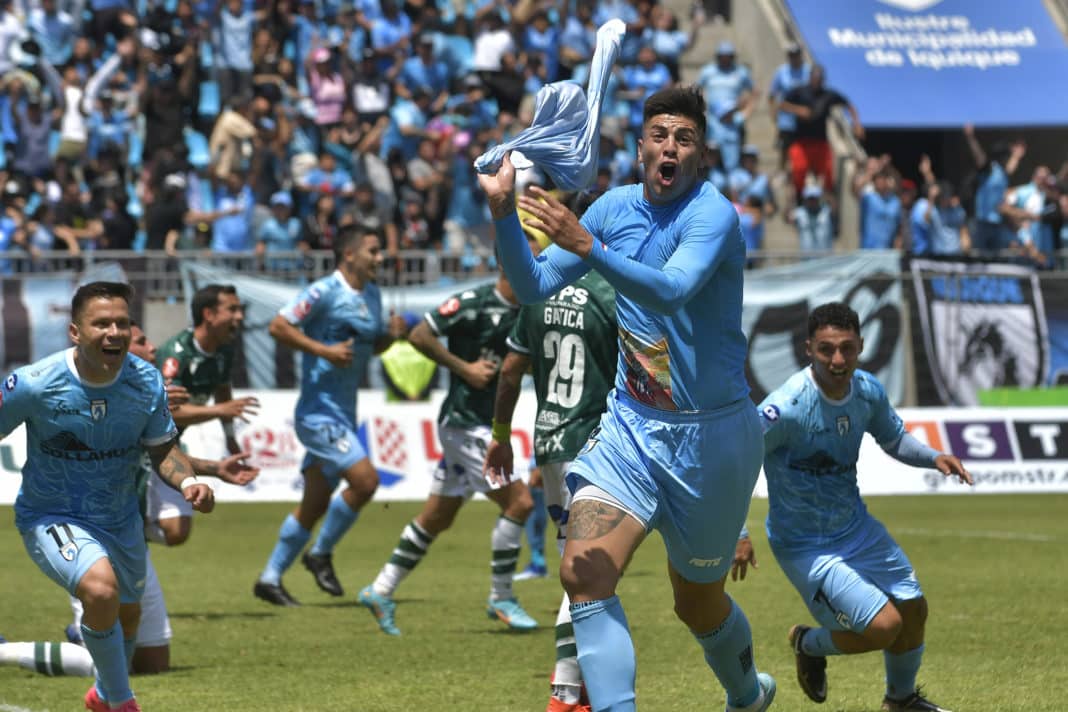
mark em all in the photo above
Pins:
pixel 339 517
pixel 901 672
pixel 129 647
pixel 106 648
pixel 291 539
pixel 605 653
pixel 729 652
pixel 817 641
pixel 535 527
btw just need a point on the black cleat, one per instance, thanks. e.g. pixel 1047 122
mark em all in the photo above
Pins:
pixel 811 669
pixel 322 568
pixel 274 594
pixel 915 701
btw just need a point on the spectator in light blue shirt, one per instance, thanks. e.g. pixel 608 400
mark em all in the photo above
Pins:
pixel 726 81
pixel 746 181
pixel 279 233
pixel 667 40
pixel 790 75
pixel 233 48
pixel 642 80
pixel 424 70
pixel 233 232
pixel 995 171
pixel 938 222
pixel 880 213
pixel 725 128
pixel 579 37
pixel 54 32
pixel 814 221
pixel 542 39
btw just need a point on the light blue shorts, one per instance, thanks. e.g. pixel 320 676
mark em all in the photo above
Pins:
pixel 64 549
pixel 846 588
pixel 688 475
pixel 330 444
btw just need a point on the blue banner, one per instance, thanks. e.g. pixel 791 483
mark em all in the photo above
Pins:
pixel 940 63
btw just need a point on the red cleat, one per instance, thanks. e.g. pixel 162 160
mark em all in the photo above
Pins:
pixel 94 703
pixel 558 705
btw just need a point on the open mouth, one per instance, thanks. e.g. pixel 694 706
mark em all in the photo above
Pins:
pixel 667 173
pixel 112 351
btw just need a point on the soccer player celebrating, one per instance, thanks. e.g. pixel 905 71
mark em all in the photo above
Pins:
pixel 476 322
pixel 678 449
pixel 153 643
pixel 570 343
pixel 89 410
pixel 199 359
pixel 337 322
pixel 852 575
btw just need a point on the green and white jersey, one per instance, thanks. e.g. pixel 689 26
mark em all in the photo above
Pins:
pixel 477 323
pixel 572 340
pixel 185 364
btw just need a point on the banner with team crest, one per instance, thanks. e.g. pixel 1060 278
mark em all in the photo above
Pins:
pixel 986 325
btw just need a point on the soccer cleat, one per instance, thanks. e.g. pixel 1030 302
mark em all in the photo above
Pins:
pixel 74 635
pixel 322 568
pixel 382 607
pixel 274 593
pixel 94 703
pixel 915 701
pixel 532 571
pixel 811 669
pixel 129 705
pixel 509 611
pixel 767 695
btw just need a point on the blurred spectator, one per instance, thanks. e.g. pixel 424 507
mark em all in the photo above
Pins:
pixel 33 129
pixel 427 176
pixel 579 37
pixel 632 15
pixel 725 130
pixel 995 170
pixel 880 208
pixel 74 220
pixel 371 95
pixel 467 221
pixel 813 220
pixel 1023 209
pixel 407 124
pixel 810 152
pixel 326 177
pixel 390 36
pixel 642 80
pixel 717 174
pixel 53 30
pixel 792 74
pixel 327 88
pixel 233 231
pixel 751 220
pixel 939 223
pixel 281 232
pixel 233 49
pixel 319 229
pixel 667 40
pixel 725 82
pixel 542 41
pixel 746 181
pixel 423 70
pixel 371 214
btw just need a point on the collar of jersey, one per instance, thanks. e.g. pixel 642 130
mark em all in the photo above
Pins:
pixel 345 282
pixel 832 401
pixel 74 371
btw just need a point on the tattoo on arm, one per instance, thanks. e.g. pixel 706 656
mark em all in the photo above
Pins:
pixel 175 467
pixel 590 519
pixel 207 468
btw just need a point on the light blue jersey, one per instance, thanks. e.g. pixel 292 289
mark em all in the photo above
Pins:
pixel 83 441
pixel 811 446
pixel 331 311
pixel 677 270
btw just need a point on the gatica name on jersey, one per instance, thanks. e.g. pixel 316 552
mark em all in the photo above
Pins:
pixel 572 341
pixel 477 323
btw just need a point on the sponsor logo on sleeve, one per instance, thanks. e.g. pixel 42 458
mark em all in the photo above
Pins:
pixel 450 307
pixel 11 381
pixel 770 412
pixel 170 367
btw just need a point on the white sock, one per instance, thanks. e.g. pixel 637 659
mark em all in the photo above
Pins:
pixel 49 658
pixel 410 550
pixel 154 532
pixel 567 677
pixel 76 612
pixel 505 540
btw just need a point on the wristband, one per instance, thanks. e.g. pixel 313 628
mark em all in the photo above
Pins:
pixel 228 429
pixel 188 482
pixel 502 432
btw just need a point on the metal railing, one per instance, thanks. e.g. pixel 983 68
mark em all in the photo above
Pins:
pixel 157 275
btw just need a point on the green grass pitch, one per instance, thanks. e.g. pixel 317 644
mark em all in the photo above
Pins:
pixel 990 566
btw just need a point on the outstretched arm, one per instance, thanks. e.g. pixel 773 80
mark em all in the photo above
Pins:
pixel 911 451
pixel 177 471
pixel 499 463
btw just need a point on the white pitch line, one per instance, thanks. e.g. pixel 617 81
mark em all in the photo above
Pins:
pixel 14 708
pixel 976 534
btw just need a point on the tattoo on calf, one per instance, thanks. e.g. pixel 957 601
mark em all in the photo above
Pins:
pixel 590 519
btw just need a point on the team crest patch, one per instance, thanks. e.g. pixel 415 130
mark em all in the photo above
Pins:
pixel 170 367
pixel 984 326
pixel 10 381
pixel 842 422
pixel 98 408
pixel 770 412
pixel 450 307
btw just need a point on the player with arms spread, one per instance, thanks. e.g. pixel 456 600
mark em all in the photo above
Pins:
pixel 849 571
pixel 679 447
